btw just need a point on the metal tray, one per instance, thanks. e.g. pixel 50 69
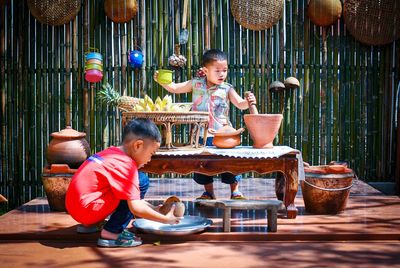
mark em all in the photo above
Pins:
pixel 188 225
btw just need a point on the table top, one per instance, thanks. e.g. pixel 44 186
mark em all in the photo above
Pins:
pixel 237 152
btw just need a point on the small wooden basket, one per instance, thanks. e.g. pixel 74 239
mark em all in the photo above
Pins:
pixel 198 122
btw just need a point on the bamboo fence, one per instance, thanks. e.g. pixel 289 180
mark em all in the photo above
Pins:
pixel 344 110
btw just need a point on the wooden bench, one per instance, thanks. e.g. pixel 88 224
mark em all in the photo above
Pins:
pixel 271 206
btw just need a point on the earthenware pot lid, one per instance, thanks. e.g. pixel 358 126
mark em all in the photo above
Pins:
pixel 68 133
pixel 226 130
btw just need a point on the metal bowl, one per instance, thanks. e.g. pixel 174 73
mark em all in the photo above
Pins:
pixel 188 225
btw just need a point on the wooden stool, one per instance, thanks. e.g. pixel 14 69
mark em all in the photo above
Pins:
pixel 272 207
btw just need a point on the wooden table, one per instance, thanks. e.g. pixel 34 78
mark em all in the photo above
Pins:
pixel 286 186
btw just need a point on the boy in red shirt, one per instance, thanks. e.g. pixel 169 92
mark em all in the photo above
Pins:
pixel 107 183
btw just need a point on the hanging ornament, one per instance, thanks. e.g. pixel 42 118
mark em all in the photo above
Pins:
pixel 176 59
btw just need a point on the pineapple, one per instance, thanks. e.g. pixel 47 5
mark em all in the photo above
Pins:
pixel 111 97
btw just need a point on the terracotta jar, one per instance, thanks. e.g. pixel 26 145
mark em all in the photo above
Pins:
pixel 226 137
pixel 263 128
pixel 68 146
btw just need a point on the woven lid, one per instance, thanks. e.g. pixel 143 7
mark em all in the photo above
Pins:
pixel 68 133
pixel 257 14
pixel 373 22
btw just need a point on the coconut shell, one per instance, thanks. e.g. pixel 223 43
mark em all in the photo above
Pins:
pixel 172 199
pixel 179 208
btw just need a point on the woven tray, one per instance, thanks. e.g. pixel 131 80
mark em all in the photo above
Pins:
pixel 198 122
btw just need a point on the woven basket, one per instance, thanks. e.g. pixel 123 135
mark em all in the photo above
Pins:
pixel 120 11
pixel 197 120
pixel 54 12
pixel 373 22
pixel 257 15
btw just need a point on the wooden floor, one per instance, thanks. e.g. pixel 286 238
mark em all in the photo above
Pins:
pixel 370 218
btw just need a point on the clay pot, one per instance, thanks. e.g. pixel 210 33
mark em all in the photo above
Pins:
pixel 263 128
pixel 179 206
pixel 68 147
pixel 226 137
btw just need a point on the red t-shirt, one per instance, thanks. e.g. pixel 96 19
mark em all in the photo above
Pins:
pixel 100 183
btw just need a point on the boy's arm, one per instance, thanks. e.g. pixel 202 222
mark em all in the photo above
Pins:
pixel 238 101
pixel 142 209
pixel 183 87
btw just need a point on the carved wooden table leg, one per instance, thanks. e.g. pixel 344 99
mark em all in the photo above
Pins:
pixel 291 187
pixel 226 222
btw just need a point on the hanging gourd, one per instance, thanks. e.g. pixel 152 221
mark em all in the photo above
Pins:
pixel 120 11
pixel 324 12
pixel 257 15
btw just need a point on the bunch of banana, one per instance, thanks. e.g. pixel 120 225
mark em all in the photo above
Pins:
pixel 159 105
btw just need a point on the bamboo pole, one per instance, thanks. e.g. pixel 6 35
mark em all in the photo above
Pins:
pixel 85 88
pixel 329 91
pixel 306 133
pixel 316 97
pixel 322 93
pixel 335 94
pixel 67 77
pixel 143 43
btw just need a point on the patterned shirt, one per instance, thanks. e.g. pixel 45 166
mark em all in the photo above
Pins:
pixel 214 100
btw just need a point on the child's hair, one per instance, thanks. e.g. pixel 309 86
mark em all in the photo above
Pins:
pixel 141 128
pixel 213 55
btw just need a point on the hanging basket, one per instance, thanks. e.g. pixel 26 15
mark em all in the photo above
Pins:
pixel 120 11
pixel 373 22
pixel 257 15
pixel 54 12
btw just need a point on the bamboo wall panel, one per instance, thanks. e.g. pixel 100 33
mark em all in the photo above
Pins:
pixel 344 110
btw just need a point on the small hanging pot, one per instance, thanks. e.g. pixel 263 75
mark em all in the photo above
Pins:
pixel 136 58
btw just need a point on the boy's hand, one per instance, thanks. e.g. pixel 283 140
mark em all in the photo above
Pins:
pixel 171 218
pixel 251 99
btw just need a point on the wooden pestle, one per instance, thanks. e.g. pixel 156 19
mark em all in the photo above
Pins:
pixel 252 107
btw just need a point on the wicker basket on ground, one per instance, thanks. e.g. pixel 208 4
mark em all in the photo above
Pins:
pixel 373 22
pixel 54 12
pixel 257 15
